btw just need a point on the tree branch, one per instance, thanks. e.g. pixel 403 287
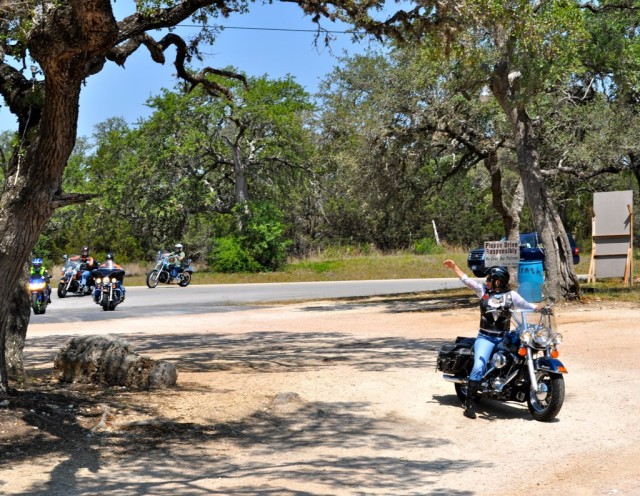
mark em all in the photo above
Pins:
pixel 65 199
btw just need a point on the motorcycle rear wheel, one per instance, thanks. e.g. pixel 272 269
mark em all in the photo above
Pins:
pixel 545 410
pixel 152 278
pixel 185 279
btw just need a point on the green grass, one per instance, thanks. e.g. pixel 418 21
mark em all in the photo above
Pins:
pixel 378 266
pixel 402 266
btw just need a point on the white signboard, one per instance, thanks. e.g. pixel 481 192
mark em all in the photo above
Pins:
pixel 501 253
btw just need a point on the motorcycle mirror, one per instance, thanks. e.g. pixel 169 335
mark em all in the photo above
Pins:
pixel 64 257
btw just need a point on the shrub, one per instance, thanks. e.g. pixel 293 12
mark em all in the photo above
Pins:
pixel 228 256
pixel 260 246
pixel 427 246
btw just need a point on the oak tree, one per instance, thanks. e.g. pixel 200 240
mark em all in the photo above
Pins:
pixel 47 51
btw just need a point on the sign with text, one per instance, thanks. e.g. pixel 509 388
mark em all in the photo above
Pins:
pixel 501 253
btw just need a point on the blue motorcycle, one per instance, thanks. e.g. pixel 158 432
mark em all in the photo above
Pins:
pixel 524 367
pixel 168 269
pixel 38 287
pixel 109 289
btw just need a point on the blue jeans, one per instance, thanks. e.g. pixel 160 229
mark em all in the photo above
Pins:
pixel 85 274
pixel 482 349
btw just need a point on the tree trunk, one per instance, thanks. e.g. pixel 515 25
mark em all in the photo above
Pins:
pixel 20 314
pixel 561 280
pixel 241 185
pixel 111 360
pixel 510 214
pixel 66 42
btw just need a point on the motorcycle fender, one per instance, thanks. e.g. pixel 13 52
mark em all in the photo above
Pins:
pixel 550 365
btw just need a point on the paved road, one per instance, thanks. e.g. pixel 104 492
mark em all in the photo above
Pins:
pixel 174 300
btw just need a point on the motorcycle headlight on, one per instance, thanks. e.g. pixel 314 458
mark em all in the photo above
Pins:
pixel 542 336
pixel 98 280
pixel 526 336
pixel 37 285
pixel 113 280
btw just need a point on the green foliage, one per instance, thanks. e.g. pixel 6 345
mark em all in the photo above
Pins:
pixel 397 144
pixel 260 246
pixel 264 236
pixel 229 255
pixel 427 246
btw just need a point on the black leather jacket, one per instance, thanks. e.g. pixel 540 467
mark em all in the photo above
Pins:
pixel 495 315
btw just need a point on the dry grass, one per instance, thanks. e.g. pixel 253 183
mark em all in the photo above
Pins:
pixel 352 264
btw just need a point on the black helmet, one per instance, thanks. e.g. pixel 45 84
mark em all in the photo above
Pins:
pixel 110 256
pixel 499 273
pixel 85 250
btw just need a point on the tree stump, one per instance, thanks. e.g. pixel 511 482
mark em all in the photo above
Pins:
pixel 110 360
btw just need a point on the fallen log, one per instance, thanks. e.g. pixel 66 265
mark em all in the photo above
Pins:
pixel 110 360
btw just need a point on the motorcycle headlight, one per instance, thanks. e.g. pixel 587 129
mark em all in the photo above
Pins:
pixel 526 337
pixel 113 280
pixel 499 360
pixel 98 280
pixel 557 339
pixel 35 286
pixel 542 336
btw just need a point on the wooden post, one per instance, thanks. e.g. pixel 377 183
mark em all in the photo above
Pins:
pixel 628 270
pixel 592 262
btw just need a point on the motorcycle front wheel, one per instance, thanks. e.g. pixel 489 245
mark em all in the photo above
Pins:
pixel 152 278
pixel 106 304
pixel 62 290
pixel 185 279
pixel 39 307
pixel 546 404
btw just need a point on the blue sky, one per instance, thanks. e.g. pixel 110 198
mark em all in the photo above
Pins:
pixel 122 92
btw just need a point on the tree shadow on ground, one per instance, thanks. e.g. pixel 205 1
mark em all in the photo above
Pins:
pixel 340 447
pixel 265 351
pixel 404 303
pixel 166 457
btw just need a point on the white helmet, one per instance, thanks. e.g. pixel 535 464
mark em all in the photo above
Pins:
pixel 178 246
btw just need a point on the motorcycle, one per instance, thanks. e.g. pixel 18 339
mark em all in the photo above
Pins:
pixel 108 292
pixel 39 293
pixel 71 279
pixel 163 269
pixel 523 367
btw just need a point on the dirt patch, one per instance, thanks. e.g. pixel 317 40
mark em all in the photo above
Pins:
pixel 324 398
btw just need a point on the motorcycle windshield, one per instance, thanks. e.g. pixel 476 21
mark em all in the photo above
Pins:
pixel 72 265
pixel 161 255
pixel 524 319
pixel 37 282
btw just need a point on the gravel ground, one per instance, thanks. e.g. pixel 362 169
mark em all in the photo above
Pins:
pixel 324 398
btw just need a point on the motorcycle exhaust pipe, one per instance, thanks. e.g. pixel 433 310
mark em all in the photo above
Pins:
pixel 454 379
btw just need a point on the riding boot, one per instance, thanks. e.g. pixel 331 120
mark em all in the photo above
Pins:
pixel 469 407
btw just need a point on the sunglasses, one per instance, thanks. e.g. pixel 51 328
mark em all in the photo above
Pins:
pixel 488 279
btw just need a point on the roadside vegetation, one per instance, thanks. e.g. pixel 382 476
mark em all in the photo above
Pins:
pixel 351 264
